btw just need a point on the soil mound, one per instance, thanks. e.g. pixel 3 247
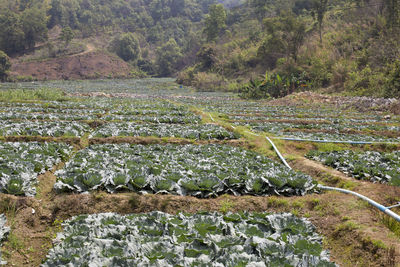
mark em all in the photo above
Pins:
pixel 91 65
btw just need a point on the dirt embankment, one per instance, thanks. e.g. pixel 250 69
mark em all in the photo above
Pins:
pixel 87 65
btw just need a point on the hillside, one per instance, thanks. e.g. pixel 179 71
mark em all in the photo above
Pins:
pixel 286 46
pixel 151 36
pixel 86 65
pixel 260 49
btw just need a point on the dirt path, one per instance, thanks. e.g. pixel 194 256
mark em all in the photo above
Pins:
pixel 89 48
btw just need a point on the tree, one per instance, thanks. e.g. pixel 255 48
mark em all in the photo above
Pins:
pixel 288 32
pixel 215 22
pixel 207 56
pixel 392 13
pixel 126 46
pixel 260 7
pixel 5 65
pixel 67 35
pixel 167 57
pixel 34 25
pixel 11 34
pixel 319 8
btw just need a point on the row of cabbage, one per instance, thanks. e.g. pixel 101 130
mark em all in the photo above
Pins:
pixel 197 170
pixel 153 118
pixel 92 104
pixel 98 106
pixel 21 163
pixel 237 109
pixel 41 128
pixel 163 112
pixel 204 239
pixel 4 231
pixel 149 86
pixel 328 131
pixel 318 126
pixel 84 86
pixel 302 122
pixel 78 129
pixel 370 165
pixel 197 131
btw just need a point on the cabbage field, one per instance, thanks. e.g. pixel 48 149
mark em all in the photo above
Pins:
pixel 199 131
pixel 198 170
pixel 303 123
pixel 148 173
pixel 371 165
pixel 206 239
pixel 21 163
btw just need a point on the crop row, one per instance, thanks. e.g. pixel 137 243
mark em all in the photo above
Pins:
pixel 370 165
pixel 153 118
pixel 187 119
pixel 100 107
pixel 21 163
pixel 244 110
pixel 47 116
pixel 196 131
pixel 141 87
pixel 198 170
pixel 320 132
pixel 4 231
pixel 207 239
pixel 37 128
pixel 250 118
pixel 315 125
pixel 58 110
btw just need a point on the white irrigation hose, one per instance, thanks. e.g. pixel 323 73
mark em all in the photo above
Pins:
pixel 211 117
pixel 278 153
pixel 333 141
pixel 370 201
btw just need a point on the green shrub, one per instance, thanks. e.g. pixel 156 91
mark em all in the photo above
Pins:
pixel 209 82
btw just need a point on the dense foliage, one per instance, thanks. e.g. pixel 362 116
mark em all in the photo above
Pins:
pixel 5 65
pixel 20 163
pixel 127 47
pixel 340 45
pixel 159 26
pixel 206 239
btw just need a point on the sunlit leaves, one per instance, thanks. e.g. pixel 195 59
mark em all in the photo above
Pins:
pixel 206 239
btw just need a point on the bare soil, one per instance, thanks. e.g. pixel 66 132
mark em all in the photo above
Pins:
pixel 90 64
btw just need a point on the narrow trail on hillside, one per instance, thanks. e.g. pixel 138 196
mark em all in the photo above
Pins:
pixel 89 48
